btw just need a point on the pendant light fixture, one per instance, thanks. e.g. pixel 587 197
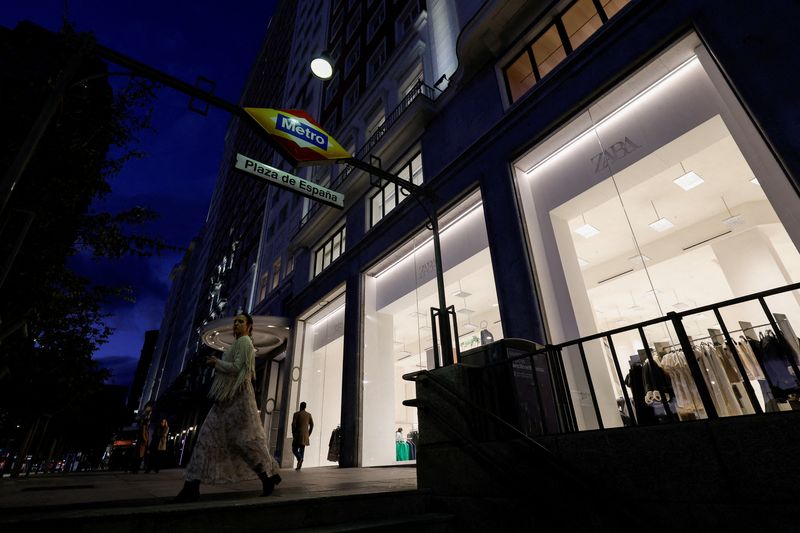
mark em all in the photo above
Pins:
pixel 733 220
pixel 688 180
pixel 661 223
pixel 587 231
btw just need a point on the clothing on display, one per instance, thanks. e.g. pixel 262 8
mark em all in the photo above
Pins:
pixel 335 445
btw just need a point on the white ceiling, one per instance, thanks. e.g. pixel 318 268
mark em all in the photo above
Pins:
pixel 709 151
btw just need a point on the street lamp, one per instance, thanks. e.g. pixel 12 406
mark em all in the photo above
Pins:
pixel 322 66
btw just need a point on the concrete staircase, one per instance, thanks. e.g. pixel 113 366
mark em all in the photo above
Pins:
pixel 380 511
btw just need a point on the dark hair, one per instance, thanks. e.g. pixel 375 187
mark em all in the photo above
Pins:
pixel 302 405
pixel 248 318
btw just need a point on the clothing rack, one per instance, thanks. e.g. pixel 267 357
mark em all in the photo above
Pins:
pixel 712 336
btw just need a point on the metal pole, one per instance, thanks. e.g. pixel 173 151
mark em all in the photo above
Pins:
pixel 444 319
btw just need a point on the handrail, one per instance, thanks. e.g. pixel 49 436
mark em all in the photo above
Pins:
pixel 419 89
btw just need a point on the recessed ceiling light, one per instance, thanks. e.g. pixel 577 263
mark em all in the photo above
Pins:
pixel 464 310
pixel 583 262
pixel 754 181
pixel 662 224
pixel 587 231
pixel 461 294
pixel 690 180
pixel 469 326
pixel 636 259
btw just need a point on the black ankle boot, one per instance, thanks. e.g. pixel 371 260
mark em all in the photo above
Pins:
pixel 189 493
pixel 268 483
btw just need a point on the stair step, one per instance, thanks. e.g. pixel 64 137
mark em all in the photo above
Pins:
pixel 421 523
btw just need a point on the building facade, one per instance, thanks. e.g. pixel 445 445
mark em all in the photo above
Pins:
pixel 594 163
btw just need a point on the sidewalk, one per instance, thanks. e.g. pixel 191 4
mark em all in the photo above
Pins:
pixel 98 490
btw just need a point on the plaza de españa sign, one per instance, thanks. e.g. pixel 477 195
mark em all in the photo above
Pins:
pixel 289 181
pixel 298 135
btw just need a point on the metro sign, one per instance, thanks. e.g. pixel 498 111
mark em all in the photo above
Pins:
pixel 298 134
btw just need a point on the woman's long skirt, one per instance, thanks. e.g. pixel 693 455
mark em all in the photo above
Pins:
pixel 232 444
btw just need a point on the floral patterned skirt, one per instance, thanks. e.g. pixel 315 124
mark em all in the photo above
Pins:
pixel 232 442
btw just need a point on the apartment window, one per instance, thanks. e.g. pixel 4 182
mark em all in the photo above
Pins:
pixel 519 75
pixel 336 25
pixel 548 50
pixel 611 7
pixel 376 120
pixel 376 61
pixel 329 251
pixel 282 214
pixel 407 19
pixel 550 47
pixel 262 286
pixel 388 196
pixel 276 273
pixel 351 98
pixel 289 263
pixel 376 21
pixel 352 58
pixel 331 89
pixel 353 23
pixel 581 21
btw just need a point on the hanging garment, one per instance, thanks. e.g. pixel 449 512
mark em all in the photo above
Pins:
pixel 654 381
pixel 686 395
pixel 335 445
pixel 728 364
pixel 635 380
pixel 726 402
pixel 749 360
pixel 776 365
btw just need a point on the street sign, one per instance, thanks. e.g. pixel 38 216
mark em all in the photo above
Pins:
pixel 299 135
pixel 290 181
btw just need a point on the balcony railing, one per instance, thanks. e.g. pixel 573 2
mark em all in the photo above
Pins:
pixel 419 89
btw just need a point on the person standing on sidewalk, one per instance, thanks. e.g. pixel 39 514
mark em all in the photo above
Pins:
pixel 302 426
pixel 232 443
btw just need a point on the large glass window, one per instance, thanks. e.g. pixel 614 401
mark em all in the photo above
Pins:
pixel 662 197
pixel 398 295
pixel 317 376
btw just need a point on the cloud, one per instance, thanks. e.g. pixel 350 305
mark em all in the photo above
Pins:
pixel 123 368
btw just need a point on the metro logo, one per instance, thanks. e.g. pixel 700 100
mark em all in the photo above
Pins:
pixel 303 132
pixel 298 136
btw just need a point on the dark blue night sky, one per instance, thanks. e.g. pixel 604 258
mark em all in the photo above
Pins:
pixel 217 40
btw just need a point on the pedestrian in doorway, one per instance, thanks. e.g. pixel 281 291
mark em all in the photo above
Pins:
pixel 232 444
pixel 302 426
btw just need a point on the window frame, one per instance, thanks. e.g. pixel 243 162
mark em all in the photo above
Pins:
pixel 322 257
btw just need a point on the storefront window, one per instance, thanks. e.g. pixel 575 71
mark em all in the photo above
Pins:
pixel 317 376
pixel 662 197
pixel 398 296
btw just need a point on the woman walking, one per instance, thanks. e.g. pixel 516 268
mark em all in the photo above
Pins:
pixel 232 444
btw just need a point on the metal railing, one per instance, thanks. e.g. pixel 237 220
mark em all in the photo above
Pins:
pixel 419 89
pixel 776 368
